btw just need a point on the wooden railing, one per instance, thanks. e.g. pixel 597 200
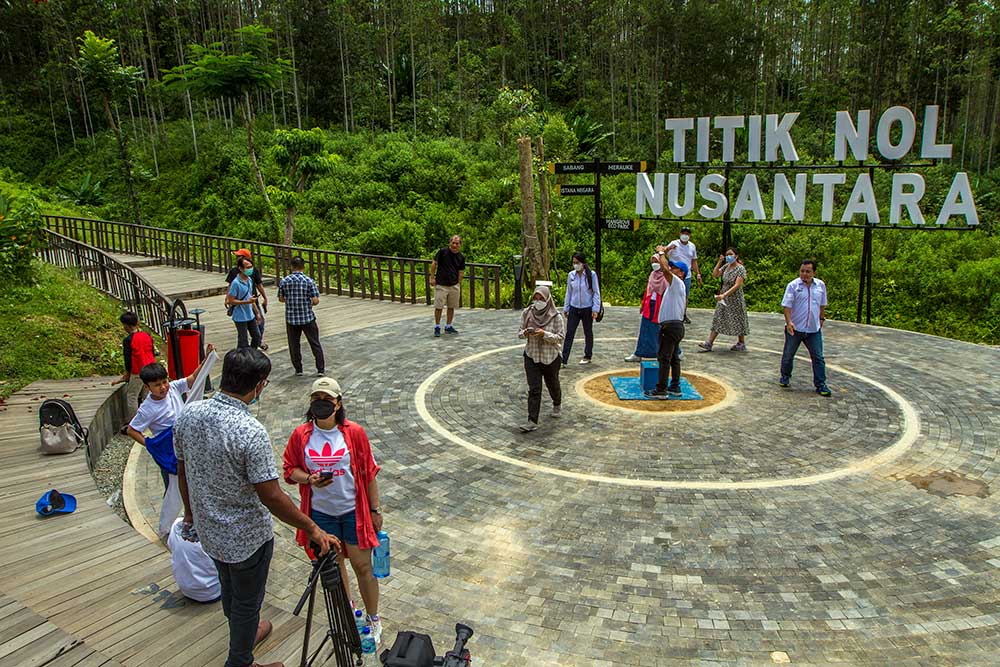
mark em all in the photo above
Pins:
pixel 111 277
pixel 402 279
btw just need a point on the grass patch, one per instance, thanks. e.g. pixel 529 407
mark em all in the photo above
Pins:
pixel 58 328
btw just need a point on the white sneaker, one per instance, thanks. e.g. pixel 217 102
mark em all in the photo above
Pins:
pixel 375 623
pixel 528 426
pixel 584 360
pixel 632 357
pixel 556 410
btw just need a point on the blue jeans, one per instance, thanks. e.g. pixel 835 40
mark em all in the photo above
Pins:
pixel 814 343
pixel 573 319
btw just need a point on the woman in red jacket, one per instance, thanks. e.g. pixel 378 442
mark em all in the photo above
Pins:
pixel 331 461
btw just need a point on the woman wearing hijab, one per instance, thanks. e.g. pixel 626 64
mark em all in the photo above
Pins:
pixel 331 460
pixel 544 330
pixel 648 344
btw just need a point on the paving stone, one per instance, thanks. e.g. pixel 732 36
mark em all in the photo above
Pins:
pixel 866 569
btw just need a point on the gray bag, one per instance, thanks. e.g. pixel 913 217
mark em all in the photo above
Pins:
pixel 59 430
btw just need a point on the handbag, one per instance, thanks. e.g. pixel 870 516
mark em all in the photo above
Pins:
pixel 600 313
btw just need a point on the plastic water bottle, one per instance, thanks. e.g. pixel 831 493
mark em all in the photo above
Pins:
pixel 380 556
pixel 359 620
pixel 367 645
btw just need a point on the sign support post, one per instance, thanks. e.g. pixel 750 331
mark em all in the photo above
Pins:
pixel 597 218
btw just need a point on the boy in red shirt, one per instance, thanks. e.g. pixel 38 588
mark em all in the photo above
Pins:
pixel 139 352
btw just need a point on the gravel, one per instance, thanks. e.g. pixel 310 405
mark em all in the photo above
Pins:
pixel 110 470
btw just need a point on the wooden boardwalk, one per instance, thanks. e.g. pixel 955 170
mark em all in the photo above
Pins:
pixel 85 589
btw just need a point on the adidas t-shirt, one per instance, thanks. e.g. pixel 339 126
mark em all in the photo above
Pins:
pixel 327 451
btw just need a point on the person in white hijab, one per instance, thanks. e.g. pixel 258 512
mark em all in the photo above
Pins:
pixel 544 329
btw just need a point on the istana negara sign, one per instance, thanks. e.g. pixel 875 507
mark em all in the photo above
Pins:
pixel 768 139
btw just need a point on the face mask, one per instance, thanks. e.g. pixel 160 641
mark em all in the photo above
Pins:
pixel 248 272
pixel 655 266
pixel 322 408
pixel 577 267
pixel 685 237
pixel 730 259
pixel 539 305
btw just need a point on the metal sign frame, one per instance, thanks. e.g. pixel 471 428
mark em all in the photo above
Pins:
pixel 597 167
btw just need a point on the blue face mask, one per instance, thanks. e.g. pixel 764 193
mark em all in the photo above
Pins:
pixel 248 272
pixel 730 259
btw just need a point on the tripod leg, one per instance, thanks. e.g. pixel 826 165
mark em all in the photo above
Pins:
pixel 309 618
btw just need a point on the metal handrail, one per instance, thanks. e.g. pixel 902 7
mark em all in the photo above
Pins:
pixel 380 277
pixel 109 276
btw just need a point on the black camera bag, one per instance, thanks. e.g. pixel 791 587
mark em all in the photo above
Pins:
pixel 411 649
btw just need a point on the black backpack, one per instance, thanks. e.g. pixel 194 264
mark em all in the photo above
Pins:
pixel 410 649
pixel 59 429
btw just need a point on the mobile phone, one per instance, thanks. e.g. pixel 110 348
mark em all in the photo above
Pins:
pixel 326 474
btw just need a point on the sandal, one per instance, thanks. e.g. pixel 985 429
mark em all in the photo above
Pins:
pixel 705 347
pixel 263 347
pixel 739 347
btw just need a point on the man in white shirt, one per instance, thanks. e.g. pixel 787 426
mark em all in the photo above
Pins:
pixel 671 320
pixel 194 571
pixel 683 251
pixel 804 304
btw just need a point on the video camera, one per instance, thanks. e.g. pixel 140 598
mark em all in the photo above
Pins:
pixel 412 649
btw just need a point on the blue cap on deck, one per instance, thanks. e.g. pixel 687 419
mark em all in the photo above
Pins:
pixel 53 502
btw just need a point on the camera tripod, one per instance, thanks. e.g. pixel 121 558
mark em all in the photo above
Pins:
pixel 345 644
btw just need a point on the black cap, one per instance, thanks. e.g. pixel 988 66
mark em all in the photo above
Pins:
pixel 685 229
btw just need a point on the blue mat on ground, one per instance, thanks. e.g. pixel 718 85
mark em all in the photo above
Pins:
pixel 628 389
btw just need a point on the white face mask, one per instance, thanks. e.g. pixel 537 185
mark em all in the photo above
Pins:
pixel 577 267
pixel 685 237
pixel 539 305
pixel 655 266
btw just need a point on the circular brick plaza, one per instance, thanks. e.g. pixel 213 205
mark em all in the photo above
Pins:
pixel 772 525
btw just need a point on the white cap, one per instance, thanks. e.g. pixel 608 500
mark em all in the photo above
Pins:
pixel 327 386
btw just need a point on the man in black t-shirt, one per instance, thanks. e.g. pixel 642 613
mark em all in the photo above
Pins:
pixel 447 271
pixel 258 285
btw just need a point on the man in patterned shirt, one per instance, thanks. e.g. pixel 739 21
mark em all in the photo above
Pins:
pixel 229 484
pixel 299 294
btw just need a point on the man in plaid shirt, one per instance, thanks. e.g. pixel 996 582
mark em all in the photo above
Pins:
pixel 299 294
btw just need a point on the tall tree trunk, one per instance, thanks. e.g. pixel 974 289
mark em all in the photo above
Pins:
pixel 248 121
pixel 532 249
pixel 126 164
pixel 545 200
pixel 300 186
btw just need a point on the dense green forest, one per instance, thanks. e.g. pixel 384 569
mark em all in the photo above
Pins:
pixel 198 114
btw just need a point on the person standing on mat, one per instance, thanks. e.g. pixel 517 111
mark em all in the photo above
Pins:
pixel 683 251
pixel 804 304
pixel 447 271
pixel 258 290
pixel 582 304
pixel 544 329
pixel 648 344
pixel 299 293
pixel 671 320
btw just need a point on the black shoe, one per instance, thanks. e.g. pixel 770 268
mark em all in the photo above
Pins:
pixel 298 374
pixel 437 332
pixel 450 330
pixel 658 395
pixel 824 391
pixel 783 382
pixel 675 391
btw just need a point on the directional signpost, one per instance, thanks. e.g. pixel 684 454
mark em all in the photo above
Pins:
pixel 594 189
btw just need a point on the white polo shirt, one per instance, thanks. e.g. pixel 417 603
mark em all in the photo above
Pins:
pixel 674 302
pixel 805 301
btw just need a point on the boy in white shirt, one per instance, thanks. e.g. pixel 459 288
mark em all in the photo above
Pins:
pixel 159 412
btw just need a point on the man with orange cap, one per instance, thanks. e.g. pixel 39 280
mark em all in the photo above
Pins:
pixel 258 286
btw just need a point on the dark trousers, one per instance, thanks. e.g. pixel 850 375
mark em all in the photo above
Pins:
pixel 536 372
pixel 671 335
pixel 243 587
pixel 574 318
pixel 294 333
pixel 245 330
pixel 814 343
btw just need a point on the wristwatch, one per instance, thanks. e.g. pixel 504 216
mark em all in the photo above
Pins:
pixel 376 510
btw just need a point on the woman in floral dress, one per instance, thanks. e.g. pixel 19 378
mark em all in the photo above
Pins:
pixel 731 307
